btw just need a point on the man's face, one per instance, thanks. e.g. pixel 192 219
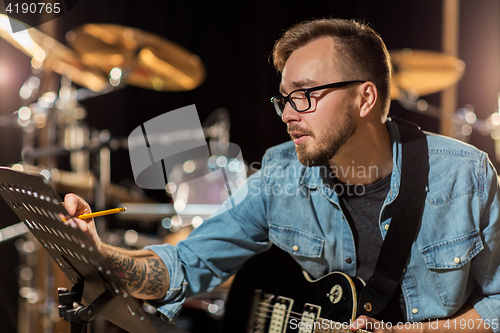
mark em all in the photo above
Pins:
pixel 320 132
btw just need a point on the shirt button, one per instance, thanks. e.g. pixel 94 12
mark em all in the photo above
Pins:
pixel 456 260
pixel 295 248
pixel 414 310
pixel 348 260
pixel 386 227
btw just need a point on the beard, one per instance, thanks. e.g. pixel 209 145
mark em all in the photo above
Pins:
pixel 328 141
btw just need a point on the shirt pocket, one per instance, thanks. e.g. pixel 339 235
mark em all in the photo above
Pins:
pixel 296 242
pixel 449 262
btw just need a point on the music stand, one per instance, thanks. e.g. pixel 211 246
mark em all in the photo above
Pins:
pixel 34 201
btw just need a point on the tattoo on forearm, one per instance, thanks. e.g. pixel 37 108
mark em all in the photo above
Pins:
pixel 130 271
pixel 156 277
pixel 145 278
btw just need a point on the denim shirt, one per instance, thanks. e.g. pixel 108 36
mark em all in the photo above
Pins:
pixel 454 259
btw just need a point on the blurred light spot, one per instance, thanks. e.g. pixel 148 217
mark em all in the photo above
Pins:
pixel 213 308
pixel 233 165
pixel 39 55
pixel 48 42
pixel 116 73
pixel 170 188
pixel 196 221
pixel 131 237
pixel 470 117
pixel 166 223
pixel 495 119
pixel 221 161
pixel 407 52
pixel 422 105
pixel 36 64
pixel 467 130
pixel 179 205
pixel 34 82
pixel 18 167
pixel 189 166
pixel 495 134
pixel 26 274
pixel 212 161
pixel 24 113
pixel 45 173
pixel 25 92
pixel 176 223
pixel 23 123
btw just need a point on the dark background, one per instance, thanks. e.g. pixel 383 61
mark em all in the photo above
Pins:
pixel 234 39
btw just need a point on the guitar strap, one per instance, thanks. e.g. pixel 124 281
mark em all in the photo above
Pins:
pixel 405 222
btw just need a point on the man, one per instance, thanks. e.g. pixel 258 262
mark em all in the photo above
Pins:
pixel 328 197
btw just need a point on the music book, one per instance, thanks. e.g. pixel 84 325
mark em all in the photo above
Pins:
pixel 35 202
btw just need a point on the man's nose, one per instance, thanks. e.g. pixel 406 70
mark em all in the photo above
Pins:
pixel 290 114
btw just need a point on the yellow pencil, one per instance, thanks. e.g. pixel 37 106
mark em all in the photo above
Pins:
pixel 101 213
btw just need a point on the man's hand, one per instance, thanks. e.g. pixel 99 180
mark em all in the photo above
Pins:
pixel 76 206
pixel 142 272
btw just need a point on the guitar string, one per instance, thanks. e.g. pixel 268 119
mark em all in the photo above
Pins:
pixel 263 305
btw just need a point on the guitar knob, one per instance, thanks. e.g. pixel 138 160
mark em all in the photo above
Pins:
pixel 368 307
pixel 335 294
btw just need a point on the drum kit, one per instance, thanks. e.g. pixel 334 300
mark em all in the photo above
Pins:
pixel 102 58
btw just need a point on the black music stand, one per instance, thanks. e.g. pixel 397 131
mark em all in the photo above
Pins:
pixel 34 201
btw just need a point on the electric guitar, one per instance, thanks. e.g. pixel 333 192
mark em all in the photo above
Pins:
pixel 285 299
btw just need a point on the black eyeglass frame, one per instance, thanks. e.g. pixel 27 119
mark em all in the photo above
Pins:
pixel 307 92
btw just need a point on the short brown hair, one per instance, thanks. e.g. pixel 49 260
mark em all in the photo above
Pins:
pixel 364 54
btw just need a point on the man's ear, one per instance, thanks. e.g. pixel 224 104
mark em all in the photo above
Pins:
pixel 369 96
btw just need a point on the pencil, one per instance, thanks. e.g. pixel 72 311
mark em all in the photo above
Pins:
pixel 101 213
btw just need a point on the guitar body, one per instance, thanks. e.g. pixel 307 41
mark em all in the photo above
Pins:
pixel 272 294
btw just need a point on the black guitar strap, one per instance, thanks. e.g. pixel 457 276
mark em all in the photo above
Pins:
pixel 405 222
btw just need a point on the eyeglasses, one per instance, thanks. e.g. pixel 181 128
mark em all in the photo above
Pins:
pixel 300 99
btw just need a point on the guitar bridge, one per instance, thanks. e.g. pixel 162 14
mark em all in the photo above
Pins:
pixel 260 309
pixel 271 314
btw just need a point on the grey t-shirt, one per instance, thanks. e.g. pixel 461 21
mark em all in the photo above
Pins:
pixel 361 206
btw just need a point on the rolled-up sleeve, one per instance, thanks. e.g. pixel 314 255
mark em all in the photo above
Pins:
pixel 172 303
pixel 215 251
pixel 486 266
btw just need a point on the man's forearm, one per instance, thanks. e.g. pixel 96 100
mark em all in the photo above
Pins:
pixel 142 272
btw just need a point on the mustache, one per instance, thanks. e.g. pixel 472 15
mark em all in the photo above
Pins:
pixel 296 128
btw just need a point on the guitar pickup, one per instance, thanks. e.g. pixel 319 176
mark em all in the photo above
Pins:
pixel 280 314
pixel 310 316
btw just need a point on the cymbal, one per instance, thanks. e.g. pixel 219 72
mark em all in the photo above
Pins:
pixel 423 72
pixel 147 60
pixel 52 54
pixel 83 184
